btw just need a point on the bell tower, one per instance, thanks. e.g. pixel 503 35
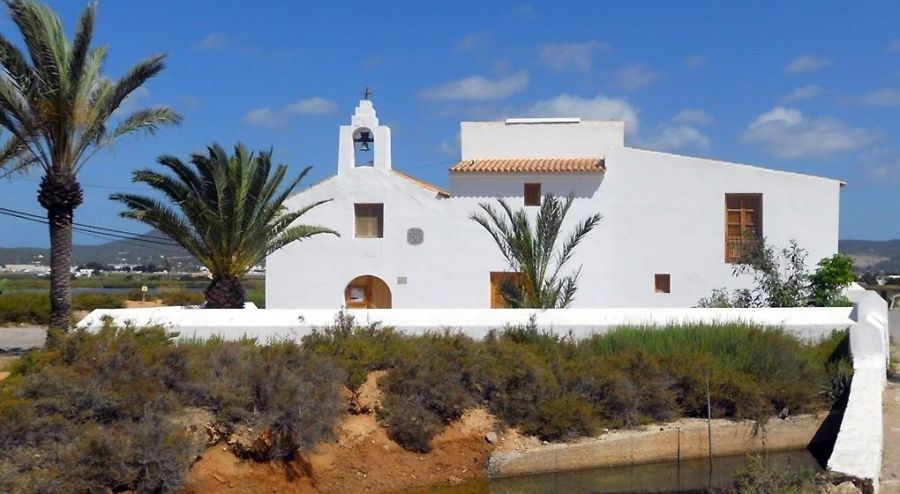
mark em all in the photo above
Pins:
pixel 364 143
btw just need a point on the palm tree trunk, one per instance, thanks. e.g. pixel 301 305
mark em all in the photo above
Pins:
pixel 60 194
pixel 60 263
pixel 225 293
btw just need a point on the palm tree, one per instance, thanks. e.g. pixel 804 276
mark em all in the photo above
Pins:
pixel 57 107
pixel 227 211
pixel 530 251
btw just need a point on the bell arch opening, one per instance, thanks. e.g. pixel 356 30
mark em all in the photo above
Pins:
pixel 363 147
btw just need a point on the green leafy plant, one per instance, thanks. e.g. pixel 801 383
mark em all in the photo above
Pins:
pixel 784 281
pixel 227 211
pixel 833 275
pixel 58 108
pixel 531 250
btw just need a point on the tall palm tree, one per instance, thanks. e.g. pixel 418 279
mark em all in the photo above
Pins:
pixel 531 251
pixel 58 109
pixel 228 212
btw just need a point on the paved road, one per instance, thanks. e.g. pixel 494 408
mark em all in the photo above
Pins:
pixel 18 339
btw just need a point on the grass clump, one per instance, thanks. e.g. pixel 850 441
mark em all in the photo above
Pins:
pixel 758 476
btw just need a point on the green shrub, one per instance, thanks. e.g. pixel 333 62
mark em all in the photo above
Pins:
pixel 759 476
pixel 410 422
pixel 565 417
pixel 358 349
pixel 256 296
pixel 97 413
pixel 295 395
pixel 97 300
pixel 25 307
pixel 181 297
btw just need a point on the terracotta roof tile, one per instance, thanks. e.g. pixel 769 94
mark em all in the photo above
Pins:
pixel 539 165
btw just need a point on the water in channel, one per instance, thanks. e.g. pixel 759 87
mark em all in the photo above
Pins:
pixel 687 476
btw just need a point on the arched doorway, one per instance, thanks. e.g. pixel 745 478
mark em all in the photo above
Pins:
pixel 367 292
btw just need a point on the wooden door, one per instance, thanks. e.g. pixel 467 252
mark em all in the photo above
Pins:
pixel 498 278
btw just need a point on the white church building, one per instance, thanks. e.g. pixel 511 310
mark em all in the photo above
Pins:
pixel 670 231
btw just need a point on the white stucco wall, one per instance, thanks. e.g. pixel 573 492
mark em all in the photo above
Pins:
pixel 528 138
pixel 662 213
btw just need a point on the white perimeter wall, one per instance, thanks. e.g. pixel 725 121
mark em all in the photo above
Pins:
pixel 265 324
pixel 662 213
pixel 859 446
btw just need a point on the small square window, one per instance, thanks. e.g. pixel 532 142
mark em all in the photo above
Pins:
pixel 532 194
pixel 662 283
pixel 369 220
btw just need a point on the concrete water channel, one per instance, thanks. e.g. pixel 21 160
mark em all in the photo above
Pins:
pixel 685 476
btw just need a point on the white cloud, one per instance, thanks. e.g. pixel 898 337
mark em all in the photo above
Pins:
pixel 694 61
pixel 564 56
pixel 470 41
pixel 478 88
pixel 881 164
pixel 279 118
pixel 597 108
pixel 635 77
pixel 801 93
pixel 806 63
pixel 680 132
pixel 266 117
pixel 894 46
pixel 311 106
pixel 693 116
pixel 787 133
pixel 671 136
pixel 882 97
pixel 212 41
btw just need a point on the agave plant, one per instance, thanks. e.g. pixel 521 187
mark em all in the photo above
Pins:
pixel 57 107
pixel 531 251
pixel 227 211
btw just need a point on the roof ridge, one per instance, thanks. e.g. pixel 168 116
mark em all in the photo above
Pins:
pixel 530 165
pixel 422 183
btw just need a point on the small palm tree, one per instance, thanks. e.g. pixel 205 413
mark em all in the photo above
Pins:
pixel 228 212
pixel 57 106
pixel 531 251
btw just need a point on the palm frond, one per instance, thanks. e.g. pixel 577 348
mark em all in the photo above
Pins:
pixel 210 202
pixel 532 250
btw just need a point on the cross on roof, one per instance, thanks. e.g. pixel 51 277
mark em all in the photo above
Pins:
pixel 367 93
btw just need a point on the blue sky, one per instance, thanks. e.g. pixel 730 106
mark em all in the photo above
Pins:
pixel 812 87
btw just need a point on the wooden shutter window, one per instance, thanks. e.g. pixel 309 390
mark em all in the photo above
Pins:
pixel 743 224
pixel 532 194
pixel 369 220
pixel 662 283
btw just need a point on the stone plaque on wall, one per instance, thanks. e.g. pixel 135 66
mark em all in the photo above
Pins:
pixel 415 236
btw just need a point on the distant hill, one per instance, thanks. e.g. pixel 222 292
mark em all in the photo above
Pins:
pixel 873 255
pixel 868 255
pixel 130 251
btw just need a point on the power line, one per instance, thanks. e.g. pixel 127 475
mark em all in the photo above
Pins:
pixel 113 230
pixel 89 186
pixel 89 229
